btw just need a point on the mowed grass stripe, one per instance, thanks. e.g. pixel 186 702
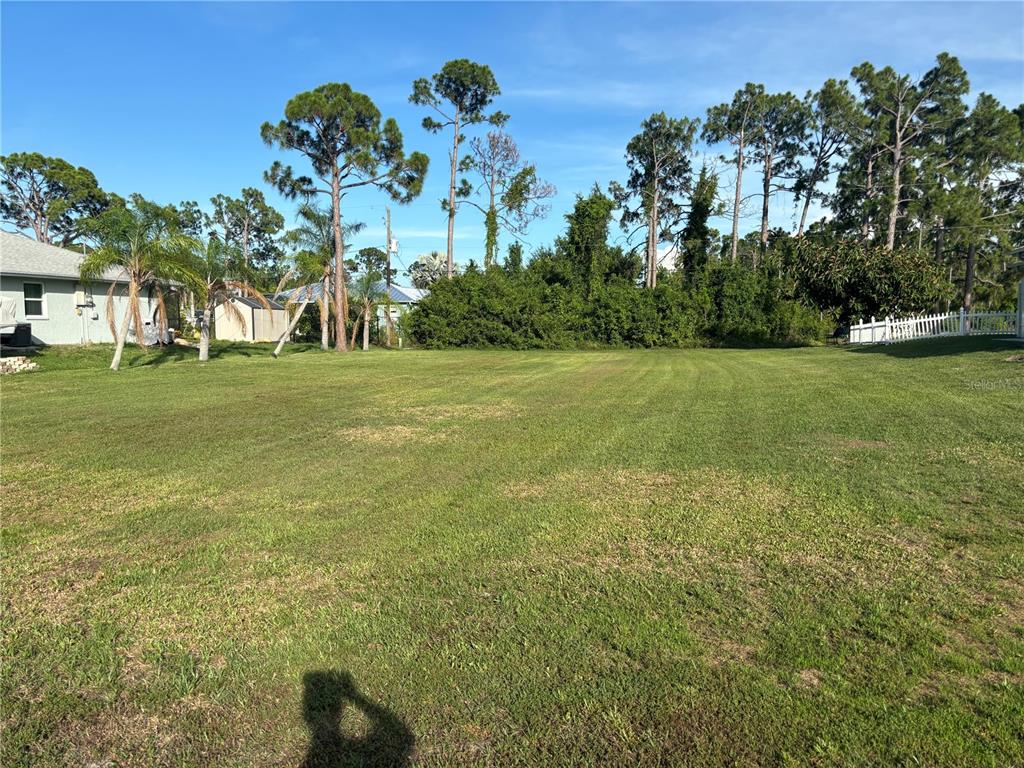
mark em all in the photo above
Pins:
pixel 654 557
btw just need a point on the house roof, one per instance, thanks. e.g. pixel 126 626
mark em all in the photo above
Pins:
pixel 399 293
pixel 403 295
pixel 21 255
pixel 299 293
pixel 248 301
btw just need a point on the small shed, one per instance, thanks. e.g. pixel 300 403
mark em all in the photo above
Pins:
pixel 260 323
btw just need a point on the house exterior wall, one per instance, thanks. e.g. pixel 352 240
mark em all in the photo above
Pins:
pixel 270 325
pixel 63 322
pixel 398 311
pixel 228 328
pixel 260 324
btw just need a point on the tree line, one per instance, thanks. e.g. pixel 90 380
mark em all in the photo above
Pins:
pixel 922 195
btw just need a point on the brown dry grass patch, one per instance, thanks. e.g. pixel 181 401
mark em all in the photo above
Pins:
pixel 459 411
pixel 392 434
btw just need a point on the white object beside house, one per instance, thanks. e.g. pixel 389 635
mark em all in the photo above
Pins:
pixel 259 323
pixel 40 284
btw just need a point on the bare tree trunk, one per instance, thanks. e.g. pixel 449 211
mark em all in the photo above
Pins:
pixel 652 244
pixel 766 186
pixel 291 327
pixel 325 325
pixel 809 195
pixel 736 200
pixel 204 335
pixel 969 277
pixel 869 184
pixel 340 289
pixel 366 329
pixel 387 284
pixel 245 246
pixel 491 224
pixel 803 214
pixel 939 235
pixel 451 200
pixel 894 210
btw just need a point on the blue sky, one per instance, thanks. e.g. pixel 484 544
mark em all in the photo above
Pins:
pixel 167 99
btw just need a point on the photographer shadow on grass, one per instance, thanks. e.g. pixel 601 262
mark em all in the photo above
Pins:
pixel 381 739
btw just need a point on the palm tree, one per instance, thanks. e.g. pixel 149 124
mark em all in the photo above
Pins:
pixel 315 235
pixel 139 243
pixel 214 261
pixel 307 269
pixel 428 269
pixel 365 290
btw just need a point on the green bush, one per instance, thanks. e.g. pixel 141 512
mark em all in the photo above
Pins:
pixel 521 310
pixel 585 293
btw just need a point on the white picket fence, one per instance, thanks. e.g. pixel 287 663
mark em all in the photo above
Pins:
pixel 962 323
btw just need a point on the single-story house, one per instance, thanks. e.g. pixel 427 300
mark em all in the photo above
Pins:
pixel 260 323
pixel 402 300
pixel 40 286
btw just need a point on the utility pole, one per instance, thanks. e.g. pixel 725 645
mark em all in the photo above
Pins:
pixel 387 274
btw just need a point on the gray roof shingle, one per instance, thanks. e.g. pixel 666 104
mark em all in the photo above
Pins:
pixel 21 255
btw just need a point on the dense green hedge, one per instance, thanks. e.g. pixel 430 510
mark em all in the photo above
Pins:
pixel 584 292
pixel 526 308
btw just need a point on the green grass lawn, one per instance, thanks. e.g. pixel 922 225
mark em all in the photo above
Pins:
pixel 752 557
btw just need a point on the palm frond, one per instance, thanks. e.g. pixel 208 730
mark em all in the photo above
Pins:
pixel 99 261
pixel 284 281
pixel 231 311
pixel 247 290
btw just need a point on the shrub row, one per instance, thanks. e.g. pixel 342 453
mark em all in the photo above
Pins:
pixel 520 309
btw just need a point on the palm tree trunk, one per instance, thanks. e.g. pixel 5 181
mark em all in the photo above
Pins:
pixel 204 335
pixel 122 335
pixel 291 327
pixel 355 329
pixel 366 329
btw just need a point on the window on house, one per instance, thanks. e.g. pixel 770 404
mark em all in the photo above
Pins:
pixel 35 300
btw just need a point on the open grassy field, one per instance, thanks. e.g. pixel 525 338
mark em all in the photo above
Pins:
pixel 752 557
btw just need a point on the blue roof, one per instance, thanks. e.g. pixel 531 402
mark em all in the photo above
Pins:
pixel 400 294
pixel 403 295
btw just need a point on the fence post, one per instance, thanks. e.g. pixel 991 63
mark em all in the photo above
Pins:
pixel 963 322
pixel 887 333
